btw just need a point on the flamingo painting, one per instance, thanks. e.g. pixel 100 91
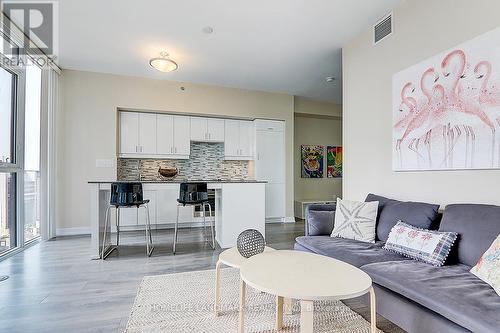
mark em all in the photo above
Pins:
pixel 446 109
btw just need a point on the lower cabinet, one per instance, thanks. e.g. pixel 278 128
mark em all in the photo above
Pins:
pixel 162 207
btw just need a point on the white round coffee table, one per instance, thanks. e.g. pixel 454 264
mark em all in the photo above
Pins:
pixel 230 257
pixel 304 276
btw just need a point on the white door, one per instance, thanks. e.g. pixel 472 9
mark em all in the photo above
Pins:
pixel 215 130
pixel 246 139
pixel 164 134
pixel 147 133
pixel 129 132
pixel 270 162
pixel 231 138
pixel 182 137
pixel 199 129
pixel 275 200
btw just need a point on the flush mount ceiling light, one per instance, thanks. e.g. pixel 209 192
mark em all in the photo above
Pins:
pixel 330 79
pixel 163 63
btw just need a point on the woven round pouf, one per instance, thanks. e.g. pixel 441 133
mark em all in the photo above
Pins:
pixel 250 242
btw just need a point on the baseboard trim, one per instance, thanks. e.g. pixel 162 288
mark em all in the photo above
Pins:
pixel 289 219
pixel 72 231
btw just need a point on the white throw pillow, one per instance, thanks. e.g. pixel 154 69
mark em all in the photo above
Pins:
pixel 355 220
pixel 488 267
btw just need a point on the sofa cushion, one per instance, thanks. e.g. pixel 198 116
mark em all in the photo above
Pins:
pixel 451 291
pixel 320 222
pixel 477 227
pixel 390 211
pixel 319 207
pixel 351 251
pixel 488 267
pixel 355 220
pixel 429 246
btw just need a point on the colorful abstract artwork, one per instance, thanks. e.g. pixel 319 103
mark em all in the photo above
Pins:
pixel 446 109
pixel 312 161
pixel 333 162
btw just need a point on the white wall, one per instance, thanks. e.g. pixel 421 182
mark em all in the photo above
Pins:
pixel 422 29
pixel 87 127
pixel 316 123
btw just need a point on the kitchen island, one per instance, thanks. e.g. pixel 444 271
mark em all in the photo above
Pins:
pixel 239 205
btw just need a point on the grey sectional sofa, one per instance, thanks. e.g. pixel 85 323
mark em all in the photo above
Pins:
pixel 416 296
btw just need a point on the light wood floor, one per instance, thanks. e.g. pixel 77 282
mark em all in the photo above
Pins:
pixel 55 287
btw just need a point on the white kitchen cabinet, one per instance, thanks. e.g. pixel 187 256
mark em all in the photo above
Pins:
pixel 232 138
pixel 199 129
pixel 182 139
pixel 165 134
pixel 247 142
pixel 137 133
pixel 173 136
pixel 147 133
pixel 238 140
pixel 215 128
pixel 207 129
pixel 270 165
pixel 166 196
pixel 129 132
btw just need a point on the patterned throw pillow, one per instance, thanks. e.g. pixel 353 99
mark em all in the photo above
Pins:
pixel 355 220
pixel 428 246
pixel 488 267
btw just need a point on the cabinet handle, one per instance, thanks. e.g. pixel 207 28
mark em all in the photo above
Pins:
pixel 176 150
pixel 171 150
pixel 209 136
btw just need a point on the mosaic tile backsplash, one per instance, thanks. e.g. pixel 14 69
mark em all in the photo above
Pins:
pixel 206 162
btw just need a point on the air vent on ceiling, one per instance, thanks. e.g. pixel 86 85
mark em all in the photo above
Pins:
pixel 382 29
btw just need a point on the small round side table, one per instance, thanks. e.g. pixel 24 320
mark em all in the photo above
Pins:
pixel 230 257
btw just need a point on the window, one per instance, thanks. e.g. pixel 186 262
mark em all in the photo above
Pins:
pixel 7 116
pixel 7 211
pixel 32 147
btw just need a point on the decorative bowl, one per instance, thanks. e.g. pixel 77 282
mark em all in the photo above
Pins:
pixel 168 172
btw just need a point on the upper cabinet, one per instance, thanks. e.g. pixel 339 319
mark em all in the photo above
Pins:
pixel 173 138
pixel 207 129
pixel 151 135
pixel 239 140
pixel 137 133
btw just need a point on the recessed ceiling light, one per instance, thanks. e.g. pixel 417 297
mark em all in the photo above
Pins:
pixel 208 30
pixel 330 79
pixel 163 63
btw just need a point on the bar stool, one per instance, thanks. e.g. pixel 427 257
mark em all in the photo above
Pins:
pixel 194 194
pixel 126 195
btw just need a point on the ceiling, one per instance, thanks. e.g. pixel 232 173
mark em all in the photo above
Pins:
pixel 286 46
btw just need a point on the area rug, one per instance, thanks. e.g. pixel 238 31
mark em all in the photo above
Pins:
pixel 184 303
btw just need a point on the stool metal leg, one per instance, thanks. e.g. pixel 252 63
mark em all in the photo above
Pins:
pixel 105 232
pixel 175 230
pixel 204 221
pixel 117 222
pixel 211 225
pixel 105 253
pixel 149 239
